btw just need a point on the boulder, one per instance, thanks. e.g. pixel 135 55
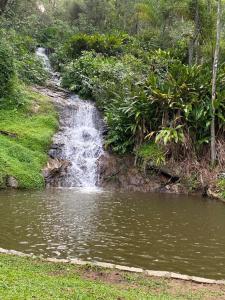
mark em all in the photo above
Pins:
pixel 11 182
pixel 118 172
pixel 55 168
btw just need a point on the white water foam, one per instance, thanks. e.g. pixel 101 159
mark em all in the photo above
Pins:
pixel 55 76
pixel 82 141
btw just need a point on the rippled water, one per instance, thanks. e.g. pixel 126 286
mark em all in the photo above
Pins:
pixel 154 231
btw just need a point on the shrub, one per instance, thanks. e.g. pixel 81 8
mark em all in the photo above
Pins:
pixel 151 153
pixel 7 69
pixel 30 69
pixel 221 186
pixel 26 66
pixel 157 97
pixel 104 44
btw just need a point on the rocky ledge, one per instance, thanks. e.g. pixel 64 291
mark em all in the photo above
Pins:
pixel 121 173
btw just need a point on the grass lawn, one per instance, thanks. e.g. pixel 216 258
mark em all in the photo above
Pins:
pixel 27 278
pixel 25 135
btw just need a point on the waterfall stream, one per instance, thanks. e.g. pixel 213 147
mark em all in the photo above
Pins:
pixel 80 137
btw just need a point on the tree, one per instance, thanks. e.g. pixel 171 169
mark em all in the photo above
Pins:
pixel 214 78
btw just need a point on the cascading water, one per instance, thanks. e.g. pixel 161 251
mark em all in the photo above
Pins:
pixel 55 76
pixel 80 138
pixel 41 53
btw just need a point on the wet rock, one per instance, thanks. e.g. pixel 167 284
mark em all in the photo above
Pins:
pixel 120 173
pixel 55 151
pixel 12 182
pixel 54 170
pixel 221 175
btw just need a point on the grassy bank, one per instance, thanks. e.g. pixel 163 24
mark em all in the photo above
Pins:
pixel 25 135
pixel 26 278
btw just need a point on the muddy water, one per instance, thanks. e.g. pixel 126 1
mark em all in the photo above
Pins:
pixel 154 231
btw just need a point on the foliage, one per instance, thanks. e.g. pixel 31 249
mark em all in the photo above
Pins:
pixel 21 49
pixel 56 32
pixel 30 69
pixel 154 97
pixel 146 63
pixel 7 69
pixel 169 134
pixel 221 186
pixel 151 153
pixel 104 44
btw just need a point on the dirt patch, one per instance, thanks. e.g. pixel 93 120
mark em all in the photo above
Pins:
pixel 107 277
pixel 204 291
pixel 176 288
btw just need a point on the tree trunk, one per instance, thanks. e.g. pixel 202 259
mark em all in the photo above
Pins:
pixel 197 32
pixel 190 52
pixel 214 77
pixel 193 50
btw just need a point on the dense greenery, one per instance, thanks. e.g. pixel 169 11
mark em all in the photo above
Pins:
pixel 153 97
pixel 146 63
pixel 7 70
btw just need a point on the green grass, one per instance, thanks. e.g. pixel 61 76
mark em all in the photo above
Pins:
pixel 24 155
pixel 26 278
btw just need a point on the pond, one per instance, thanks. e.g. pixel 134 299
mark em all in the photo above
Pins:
pixel 166 232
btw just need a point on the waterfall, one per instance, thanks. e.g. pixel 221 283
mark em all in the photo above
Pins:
pixel 41 53
pixel 55 76
pixel 80 138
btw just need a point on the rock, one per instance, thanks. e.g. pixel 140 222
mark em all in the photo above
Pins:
pixel 9 134
pixel 221 175
pixel 55 168
pixel 174 189
pixel 120 173
pixel 35 108
pixel 12 182
pixel 129 269
pixel 214 195
pixel 167 173
pixel 55 151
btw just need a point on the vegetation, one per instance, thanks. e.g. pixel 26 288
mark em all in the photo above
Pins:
pixel 25 278
pixel 25 135
pixel 156 70
pixel 153 67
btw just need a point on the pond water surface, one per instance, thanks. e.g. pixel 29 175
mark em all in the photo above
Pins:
pixel 183 234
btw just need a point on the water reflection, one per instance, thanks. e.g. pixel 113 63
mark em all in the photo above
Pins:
pixel 162 232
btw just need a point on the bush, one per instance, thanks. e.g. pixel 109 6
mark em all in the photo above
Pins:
pixel 156 98
pixel 110 45
pixel 151 153
pixel 57 32
pixel 30 69
pixel 7 69
pixel 22 50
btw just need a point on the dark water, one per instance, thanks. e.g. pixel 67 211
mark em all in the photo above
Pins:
pixel 153 231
